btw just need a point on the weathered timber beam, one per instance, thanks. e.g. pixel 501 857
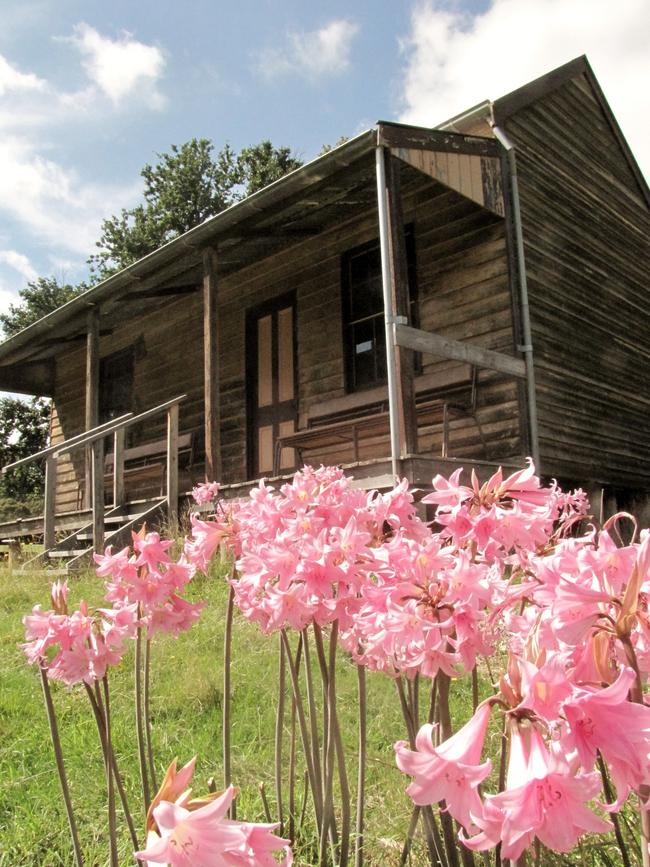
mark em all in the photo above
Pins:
pixel 92 394
pixel 443 347
pixel 162 292
pixel 397 136
pixel 211 367
pixel 404 362
pixel 36 377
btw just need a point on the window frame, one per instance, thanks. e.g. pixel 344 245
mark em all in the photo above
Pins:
pixel 348 323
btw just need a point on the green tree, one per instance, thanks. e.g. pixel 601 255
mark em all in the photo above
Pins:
pixel 38 298
pixel 184 188
pixel 24 429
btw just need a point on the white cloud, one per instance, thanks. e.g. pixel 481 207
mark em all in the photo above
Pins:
pixel 19 262
pixel 454 60
pixel 120 67
pixel 315 53
pixel 13 80
pixel 58 207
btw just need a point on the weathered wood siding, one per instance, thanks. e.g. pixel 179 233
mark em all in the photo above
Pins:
pixel 462 287
pixel 169 361
pixel 587 244
pixel 462 291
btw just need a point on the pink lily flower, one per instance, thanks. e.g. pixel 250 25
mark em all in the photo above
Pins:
pixel 450 772
pixel 205 838
pixel 545 798
pixel 605 720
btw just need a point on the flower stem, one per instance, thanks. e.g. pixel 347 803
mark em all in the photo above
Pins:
pixel 279 726
pixel 60 767
pixel 319 770
pixel 304 734
pixel 147 713
pixel 227 659
pixel 110 785
pixel 139 723
pixel 99 719
pixel 361 776
pixel 636 694
pixel 609 797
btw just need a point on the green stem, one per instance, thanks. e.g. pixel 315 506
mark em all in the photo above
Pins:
pixel 313 721
pixel 139 722
pixel 304 734
pixel 60 767
pixel 227 659
pixel 147 713
pixel 108 765
pixel 99 719
pixel 279 728
pixel 361 775
pixel 609 797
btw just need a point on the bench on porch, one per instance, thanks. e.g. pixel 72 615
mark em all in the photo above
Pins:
pixel 146 464
pixel 356 425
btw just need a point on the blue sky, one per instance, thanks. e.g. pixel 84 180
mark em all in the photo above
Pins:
pixel 91 91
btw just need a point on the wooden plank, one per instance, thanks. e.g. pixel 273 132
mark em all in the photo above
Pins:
pixel 91 418
pixel 435 344
pixel 400 136
pixel 211 367
pixel 172 464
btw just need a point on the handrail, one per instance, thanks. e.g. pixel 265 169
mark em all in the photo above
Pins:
pixel 102 430
pixel 99 432
pixel 118 424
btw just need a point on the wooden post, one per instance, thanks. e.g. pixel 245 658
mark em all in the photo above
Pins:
pixel 172 465
pixel 407 414
pixel 50 503
pixel 211 367
pixel 97 450
pixel 118 467
pixel 92 393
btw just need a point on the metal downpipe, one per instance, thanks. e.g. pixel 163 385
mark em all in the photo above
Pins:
pixel 389 313
pixel 527 348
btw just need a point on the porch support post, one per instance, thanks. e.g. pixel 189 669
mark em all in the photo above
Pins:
pixel 49 504
pixel 92 394
pixel 404 366
pixel 389 258
pixel 211 367
pixel 97 456
pixel 172 465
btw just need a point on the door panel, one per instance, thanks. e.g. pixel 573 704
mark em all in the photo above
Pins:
pixel 272 369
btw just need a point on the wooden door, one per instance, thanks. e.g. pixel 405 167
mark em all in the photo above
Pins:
pixel 272 372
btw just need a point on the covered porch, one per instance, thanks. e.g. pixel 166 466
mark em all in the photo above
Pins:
pixel 366 310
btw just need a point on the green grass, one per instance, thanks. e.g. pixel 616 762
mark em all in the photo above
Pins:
pixel 186 710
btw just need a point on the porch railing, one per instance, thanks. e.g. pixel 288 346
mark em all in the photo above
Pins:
pixel 94 441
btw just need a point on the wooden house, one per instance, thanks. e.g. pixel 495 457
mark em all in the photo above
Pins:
pixel 413 300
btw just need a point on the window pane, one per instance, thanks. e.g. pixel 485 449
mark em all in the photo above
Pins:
pixel 368 352
pixel 366 296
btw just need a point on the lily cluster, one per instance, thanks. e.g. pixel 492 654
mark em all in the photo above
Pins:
pixel 573 613
pixel 504 564
pixel 77 647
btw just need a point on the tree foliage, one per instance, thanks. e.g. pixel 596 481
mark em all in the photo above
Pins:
pixel 24 429
pixel 186 186
pixel 37 299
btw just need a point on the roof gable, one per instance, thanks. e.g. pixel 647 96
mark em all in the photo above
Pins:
pixel 580 72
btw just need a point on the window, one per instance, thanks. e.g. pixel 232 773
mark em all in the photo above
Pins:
pixel 116 384
pixel 363 312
